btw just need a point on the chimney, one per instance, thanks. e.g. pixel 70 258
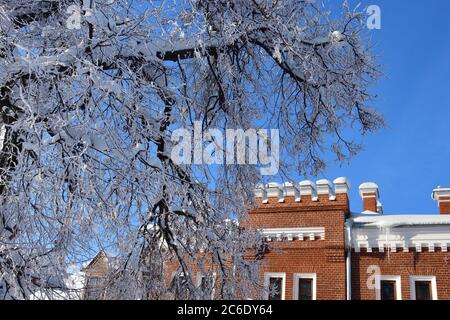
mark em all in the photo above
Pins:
pixel 370 196
pixel 442 195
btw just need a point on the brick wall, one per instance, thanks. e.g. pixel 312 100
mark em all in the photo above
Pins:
pixel 404 264
pixel 325 257
pixel 444 205
pixel 370 202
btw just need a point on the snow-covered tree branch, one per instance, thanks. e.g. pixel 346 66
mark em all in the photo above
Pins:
pixel 90 93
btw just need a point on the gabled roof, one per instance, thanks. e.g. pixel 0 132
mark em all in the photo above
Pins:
pixel 100 257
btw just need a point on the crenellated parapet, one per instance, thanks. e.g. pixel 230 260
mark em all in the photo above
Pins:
pixel 302 192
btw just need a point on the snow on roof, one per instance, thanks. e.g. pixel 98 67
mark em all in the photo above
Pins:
pixel 341 180
pixel 393 220
pixel 440 192
pixel 370 185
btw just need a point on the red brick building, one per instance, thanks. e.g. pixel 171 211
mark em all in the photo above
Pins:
pixel 319 249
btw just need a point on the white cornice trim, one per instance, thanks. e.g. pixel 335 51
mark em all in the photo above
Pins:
pixel 291 234
pixel 401 239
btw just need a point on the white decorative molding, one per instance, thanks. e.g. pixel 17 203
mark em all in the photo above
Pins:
pixel 303 188
pixel 341 185
pixel 442 196
pixel 308 188
pixel 274 190
pixel 291 234
pixel 260 191
pixel 402 239
pixel 291 190
pixel 368 188
pixel 440 193
pixel 324 187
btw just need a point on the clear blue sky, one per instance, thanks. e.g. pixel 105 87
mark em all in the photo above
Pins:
pixel 412 155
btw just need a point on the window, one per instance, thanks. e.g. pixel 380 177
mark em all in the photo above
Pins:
pixel 275 284
pixel 276 288
pixel 203 283
pixel 388 288
pixel 180 286
pixel 305 286
pixel 423 288
pixel 305 289
pixel 206 283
